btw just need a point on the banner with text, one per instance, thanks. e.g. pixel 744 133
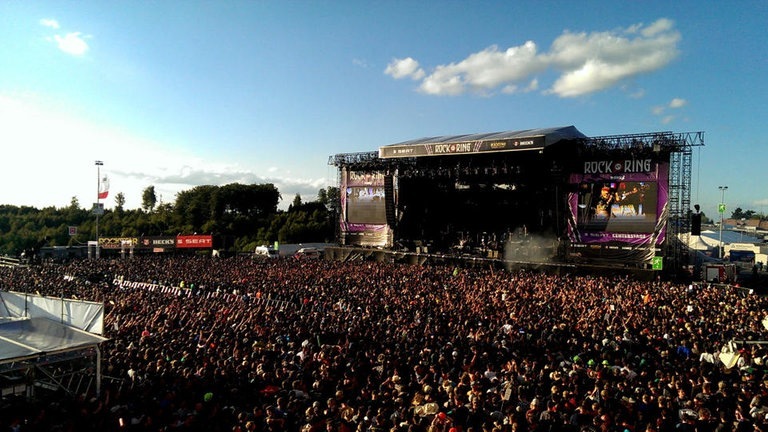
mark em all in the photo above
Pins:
pixel 194 241
pixel 461 148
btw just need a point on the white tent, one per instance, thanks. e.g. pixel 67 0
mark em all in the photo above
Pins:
pixel 697 243
pixel 37 331
pixel 35 337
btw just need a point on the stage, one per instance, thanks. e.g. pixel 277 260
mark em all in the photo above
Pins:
pixel 550 265
pixel 564 200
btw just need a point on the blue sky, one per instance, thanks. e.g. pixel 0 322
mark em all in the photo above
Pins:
pixel 175 94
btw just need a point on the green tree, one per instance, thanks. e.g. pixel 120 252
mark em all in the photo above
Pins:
pixel 322 196
pixel 148 199
pixel 242 215
pixel 119 201
pixel 739 213
pixel 195 207
pixel 332 201
pixel 296 204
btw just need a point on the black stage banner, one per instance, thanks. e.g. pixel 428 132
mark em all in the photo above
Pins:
pixel 458 148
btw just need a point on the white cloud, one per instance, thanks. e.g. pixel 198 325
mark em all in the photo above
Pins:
pixel 360 62
pixel 659 27
pixel 72 43
pixel 48 22
pixel 509 89
pixel 590 77
pixel 661 110
pixel 677 103
pixel 54 154
pixel 593 62
pixel 586 63
pixel 533 85
pixel 195 172
pixel 484 71
pixel 404 68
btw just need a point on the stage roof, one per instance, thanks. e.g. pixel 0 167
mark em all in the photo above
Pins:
pixel 27 338
pixel 529 139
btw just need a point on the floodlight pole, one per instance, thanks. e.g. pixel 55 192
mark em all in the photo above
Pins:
pixel 98 199
pixel 720 250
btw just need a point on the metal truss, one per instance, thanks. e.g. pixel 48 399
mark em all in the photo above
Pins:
pixel 344 159
pixel 654 141
pixel 73 372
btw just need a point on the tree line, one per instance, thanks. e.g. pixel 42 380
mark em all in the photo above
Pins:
pixel 242 216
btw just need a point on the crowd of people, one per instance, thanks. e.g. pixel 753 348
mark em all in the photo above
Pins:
pixel 316 345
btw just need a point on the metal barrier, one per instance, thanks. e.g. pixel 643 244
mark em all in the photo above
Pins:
pixel 9 262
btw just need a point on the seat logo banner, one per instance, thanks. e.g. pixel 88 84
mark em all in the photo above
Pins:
pixel 194 241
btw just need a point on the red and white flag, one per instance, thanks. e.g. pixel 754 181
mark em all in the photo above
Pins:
pixel 103 187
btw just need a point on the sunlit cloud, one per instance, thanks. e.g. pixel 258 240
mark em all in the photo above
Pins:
pixel 72 43
pixel 584 63
pixel 48 22
pixel 677 103
pixel 404 68
pixel 661 110
pixel 484 71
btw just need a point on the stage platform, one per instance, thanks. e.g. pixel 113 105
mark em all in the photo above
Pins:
pixel 490 261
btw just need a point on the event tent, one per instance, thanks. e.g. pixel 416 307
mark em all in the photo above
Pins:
pixel 37 331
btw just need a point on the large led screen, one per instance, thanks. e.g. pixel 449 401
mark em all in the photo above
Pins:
pixel 365 205
pixel 615 207
pixel 364 209
pixel 619 201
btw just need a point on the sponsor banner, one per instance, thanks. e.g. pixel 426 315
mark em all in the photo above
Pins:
pixel 161 242
pixel 194 241
pixel 357 227
pixel 623 166
pixel 371 235
pixel 613 237
pixel 117 242
pixel 365 178
pixel 459 148
pixel 637 254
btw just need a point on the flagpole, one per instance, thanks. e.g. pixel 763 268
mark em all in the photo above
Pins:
pixel 98 198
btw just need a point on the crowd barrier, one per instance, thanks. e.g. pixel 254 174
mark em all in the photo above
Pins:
pixel 191 292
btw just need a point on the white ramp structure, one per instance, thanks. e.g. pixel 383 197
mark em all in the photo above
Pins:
pixel 49 343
